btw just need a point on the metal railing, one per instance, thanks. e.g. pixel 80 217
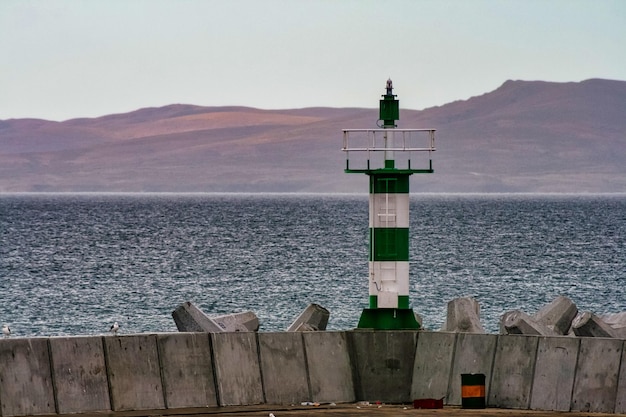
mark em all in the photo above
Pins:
pixel 375 146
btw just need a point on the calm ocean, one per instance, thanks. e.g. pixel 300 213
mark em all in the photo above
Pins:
pixel 72 264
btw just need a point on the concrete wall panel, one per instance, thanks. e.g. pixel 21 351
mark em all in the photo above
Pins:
pixel 513 369
pixel 555 370
pixel 134 372
pixel 433 364
pixel 25 377
pixel 383 364
pixel 189 318
pixel 283 368
pixel 237 368
pixel 328 363
pixel 620 403
pixel 140 372
pixel 473 354
pixel 595 385
pixel 80 375
pixel 187 370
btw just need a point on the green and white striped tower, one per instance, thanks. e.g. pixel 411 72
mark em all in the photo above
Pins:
pixel 385 156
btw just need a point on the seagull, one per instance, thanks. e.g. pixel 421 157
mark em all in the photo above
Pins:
pixel 6 330
pixel 114 328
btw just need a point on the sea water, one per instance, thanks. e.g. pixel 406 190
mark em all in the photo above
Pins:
pixel 72 264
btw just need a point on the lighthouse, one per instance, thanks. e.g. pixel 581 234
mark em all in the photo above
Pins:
pixel 389 156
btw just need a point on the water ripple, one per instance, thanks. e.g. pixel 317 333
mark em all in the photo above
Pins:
pixel 73 264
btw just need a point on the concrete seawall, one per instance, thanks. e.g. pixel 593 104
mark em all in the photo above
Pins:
pixel 178 370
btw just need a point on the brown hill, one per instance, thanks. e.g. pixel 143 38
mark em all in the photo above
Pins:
pixel 522 137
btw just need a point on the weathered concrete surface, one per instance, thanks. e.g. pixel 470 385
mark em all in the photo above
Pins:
pixel 189 318
pixel 518 322
pixel 187 370
pixel 554 373
pixel 587 324
pixel 134 372
pixel 617 321
pixel 25 378
pixel 382 364
pixel 463 316
pixel 620 403
pixel 557 315
pixel 432 366
pixel 80 375
pixel 375 363
pixel 339 410
pixel 513 369
pixel 314 317
pixel 328 363
pixel 473 354
pixel 595 386
pixel 237 368
pixel 283 368
pixel 245 321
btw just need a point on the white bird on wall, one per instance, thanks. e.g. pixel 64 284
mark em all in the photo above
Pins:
pixel 114 328
pixel 6 330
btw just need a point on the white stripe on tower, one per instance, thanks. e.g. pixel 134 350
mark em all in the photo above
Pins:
pixel 389 278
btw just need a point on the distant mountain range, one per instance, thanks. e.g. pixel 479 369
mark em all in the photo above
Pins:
pixel 526 136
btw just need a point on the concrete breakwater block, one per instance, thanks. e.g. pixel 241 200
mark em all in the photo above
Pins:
pixel 245 321
pixel 561 317
pixel 463 316
pixel 557 315
pixel 518 322
pixel 588 324
pixel 617 321
pixel 189 318
pixel 554 318
pixel 314 317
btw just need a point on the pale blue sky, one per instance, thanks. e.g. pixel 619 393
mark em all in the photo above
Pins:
pixel 61 59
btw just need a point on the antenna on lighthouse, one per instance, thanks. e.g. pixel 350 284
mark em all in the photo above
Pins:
pixel 385 155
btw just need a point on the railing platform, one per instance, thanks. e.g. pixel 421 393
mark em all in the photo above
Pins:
pixel 389 150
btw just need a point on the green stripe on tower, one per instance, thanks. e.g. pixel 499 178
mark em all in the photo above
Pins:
pixel 389 244
pixel 389 183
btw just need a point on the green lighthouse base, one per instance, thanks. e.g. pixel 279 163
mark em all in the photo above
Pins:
pixel 388 319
